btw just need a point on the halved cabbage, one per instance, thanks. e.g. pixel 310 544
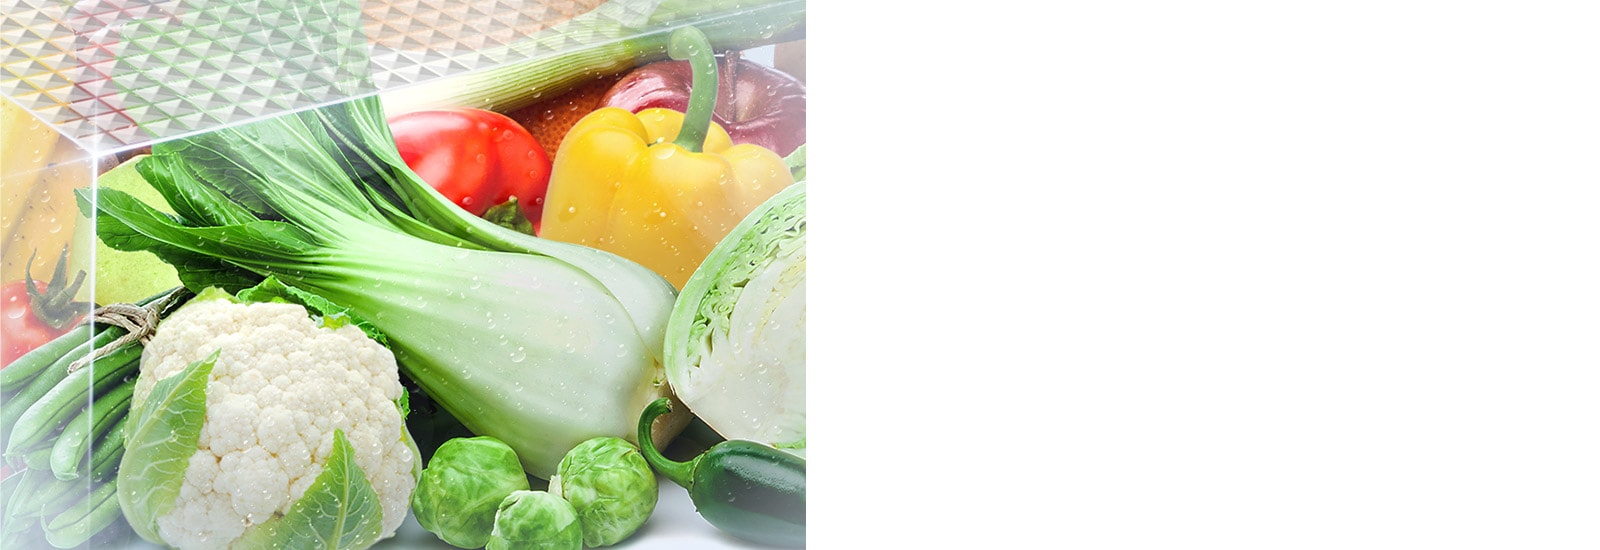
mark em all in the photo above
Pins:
pixel 736 340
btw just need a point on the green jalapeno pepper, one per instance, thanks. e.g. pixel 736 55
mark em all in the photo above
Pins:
pixel 746 489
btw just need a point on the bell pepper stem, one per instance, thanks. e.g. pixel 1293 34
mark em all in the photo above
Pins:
pixel 681 473
pixel 691 44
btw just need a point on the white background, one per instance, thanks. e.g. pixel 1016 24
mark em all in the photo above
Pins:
pixel 1205 275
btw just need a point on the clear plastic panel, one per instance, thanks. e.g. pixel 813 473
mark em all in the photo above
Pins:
pixel 49 430
pixel 119 74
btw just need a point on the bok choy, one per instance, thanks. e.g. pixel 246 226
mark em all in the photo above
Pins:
pixel 540 344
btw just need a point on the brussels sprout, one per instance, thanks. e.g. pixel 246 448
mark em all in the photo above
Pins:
pixel 536 520
pixel 608 482
pixel 462 487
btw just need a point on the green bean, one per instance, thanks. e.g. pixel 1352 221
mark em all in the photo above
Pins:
pixel 19 498
pixel 38 458
pixel 77 524
pixel 107 453
pixel 18 530
pixel 30 364
pixel 21 534
pixel 63 494
pixel 58 405
pixel 43 492
pixel 27 380
pixel 8 487
pixel 69 454
pixel 40 385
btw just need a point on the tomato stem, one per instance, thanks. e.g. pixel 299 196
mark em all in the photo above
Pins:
pixel 54 306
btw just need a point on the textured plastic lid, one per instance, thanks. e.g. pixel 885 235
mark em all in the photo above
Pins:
pixel 119 74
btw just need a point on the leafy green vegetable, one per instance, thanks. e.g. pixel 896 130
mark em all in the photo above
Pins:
pixel 463 485
pixel 609 484
pixel 536 520
pixel 163 432
pixel 538 343
pixel 736 345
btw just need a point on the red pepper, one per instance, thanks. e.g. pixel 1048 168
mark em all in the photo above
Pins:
pixel 474 157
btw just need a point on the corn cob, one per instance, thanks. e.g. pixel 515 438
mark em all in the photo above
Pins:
pixel 25 146
pixel 45 221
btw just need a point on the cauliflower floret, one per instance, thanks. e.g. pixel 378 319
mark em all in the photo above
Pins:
pixel 280 387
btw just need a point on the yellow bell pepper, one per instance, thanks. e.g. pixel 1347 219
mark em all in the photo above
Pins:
pixel 660 188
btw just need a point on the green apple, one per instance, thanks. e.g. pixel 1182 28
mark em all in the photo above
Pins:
pixel 124 277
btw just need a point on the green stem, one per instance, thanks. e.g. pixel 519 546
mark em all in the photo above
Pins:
pixel 681 473
pixel 689 43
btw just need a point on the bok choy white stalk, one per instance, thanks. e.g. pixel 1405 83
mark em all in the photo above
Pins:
pixel 537 343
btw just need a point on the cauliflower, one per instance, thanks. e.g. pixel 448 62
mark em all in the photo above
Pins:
pixel 285 395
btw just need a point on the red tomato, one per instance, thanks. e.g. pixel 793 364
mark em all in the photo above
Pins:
pixel 474 157
pixel 23 328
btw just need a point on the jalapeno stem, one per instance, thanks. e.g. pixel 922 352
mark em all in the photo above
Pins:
pixel 681 473
pixel 689 43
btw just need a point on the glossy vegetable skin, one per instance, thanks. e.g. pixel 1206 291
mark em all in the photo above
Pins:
pixel 474 157
pixel 34 312
pixel 746 489
pixel 23 329
pixel 659 187
pixel 756 104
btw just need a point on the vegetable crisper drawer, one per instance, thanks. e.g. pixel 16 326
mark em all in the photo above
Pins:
pixel 313 273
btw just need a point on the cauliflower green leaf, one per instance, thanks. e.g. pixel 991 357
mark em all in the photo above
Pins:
pixel 340 510
pixel 163 431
